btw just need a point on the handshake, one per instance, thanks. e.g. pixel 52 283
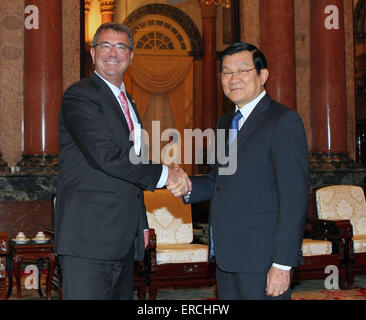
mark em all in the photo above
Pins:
pixel 178 182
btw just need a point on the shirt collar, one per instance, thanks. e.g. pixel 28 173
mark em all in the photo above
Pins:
pixel 116 91
pixel 248 108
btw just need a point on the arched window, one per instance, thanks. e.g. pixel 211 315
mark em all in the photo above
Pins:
pixel 160 35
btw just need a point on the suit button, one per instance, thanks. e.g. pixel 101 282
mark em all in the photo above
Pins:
pixel 138 196
pixel 217 188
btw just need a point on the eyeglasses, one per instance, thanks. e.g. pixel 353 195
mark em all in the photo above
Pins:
pixel 242 72
pixel 107 47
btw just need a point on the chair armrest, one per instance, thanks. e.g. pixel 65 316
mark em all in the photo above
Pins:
pixel 150 253
pixel 339 232
pixel 4 243
pixel 4 251
pixel 49 232
pixel 152 239
pixel 330 230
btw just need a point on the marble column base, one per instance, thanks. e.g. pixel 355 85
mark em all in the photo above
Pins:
pixel 331 161
pixel 34 163
pixel 3 166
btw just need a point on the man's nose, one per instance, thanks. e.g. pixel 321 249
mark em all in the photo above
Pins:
pixel 113 51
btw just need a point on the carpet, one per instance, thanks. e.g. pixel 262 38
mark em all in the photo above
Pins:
pixel 351 294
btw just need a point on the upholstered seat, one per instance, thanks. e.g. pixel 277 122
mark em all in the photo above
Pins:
pixel 359 243
pixel 174 260
pixel 174 234
pixel 319 250
pixel 181 253
pixel 316 247
pixel 347 202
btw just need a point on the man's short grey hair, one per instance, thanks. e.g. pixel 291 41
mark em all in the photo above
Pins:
pixel 117 27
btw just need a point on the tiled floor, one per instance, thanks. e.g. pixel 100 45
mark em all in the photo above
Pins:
pixel 202 293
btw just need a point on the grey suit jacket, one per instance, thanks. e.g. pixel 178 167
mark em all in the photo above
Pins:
pixel 258 214
pixel 100 206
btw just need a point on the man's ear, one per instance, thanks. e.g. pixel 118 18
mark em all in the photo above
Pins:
pixel 131 56
pixel 264 76
pixel 92 53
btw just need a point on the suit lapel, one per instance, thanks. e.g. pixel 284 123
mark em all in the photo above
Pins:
pixel 111 100
pixel 134 108
pixel 259 114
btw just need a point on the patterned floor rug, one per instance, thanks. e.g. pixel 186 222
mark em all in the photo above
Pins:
pixel 352 294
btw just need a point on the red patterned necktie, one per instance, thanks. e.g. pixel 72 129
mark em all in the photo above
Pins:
pixel 126 110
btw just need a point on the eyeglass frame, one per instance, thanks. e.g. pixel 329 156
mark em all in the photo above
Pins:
pixel 240 72
pixel 123 48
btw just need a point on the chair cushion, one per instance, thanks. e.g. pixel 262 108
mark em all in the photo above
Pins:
pixel 181 253
pixel 316 247
pixel 169 216
pixel 343 202
pixel 359 243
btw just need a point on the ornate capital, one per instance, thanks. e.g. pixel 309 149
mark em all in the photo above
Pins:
pixel 208 8
pixel 107 6
pixel 2 162
pixel 87 5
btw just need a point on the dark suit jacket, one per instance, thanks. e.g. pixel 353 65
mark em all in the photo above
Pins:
pixel 258 214
pixel 100 206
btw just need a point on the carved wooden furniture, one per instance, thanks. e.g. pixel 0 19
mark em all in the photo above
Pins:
pixel 320 249
pixel 342 209
pixel 30 253
pixel 57 276
pixel 317 255
pixel 4 251
pixel 26 216
pixel 172 260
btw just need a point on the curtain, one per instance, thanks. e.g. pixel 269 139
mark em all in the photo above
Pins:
pixel 170 75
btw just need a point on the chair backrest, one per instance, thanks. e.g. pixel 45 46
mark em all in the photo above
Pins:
pixel 343 202
pixel 169 216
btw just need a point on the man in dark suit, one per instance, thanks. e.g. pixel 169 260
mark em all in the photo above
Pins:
pixel 257 214
pixel 100 221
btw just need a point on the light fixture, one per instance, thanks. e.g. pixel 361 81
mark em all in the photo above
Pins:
pixel 224 3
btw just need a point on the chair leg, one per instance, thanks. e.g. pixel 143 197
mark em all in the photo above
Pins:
pixel 39 268
pixel 141 292
pixel 9 270
pixel 342 279
pixel 350 279
pixel 153 291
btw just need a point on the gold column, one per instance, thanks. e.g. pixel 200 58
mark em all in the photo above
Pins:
pixel 107 10
pixel 86 13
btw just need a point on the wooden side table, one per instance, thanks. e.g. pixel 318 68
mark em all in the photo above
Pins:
pixel 30 253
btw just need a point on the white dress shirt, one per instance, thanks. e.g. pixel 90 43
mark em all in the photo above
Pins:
pixel 137 126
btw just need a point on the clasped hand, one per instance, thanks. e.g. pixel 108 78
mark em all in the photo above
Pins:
pixel 178 182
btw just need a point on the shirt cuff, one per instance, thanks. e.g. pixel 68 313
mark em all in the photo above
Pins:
pixel 280 266
pixel 163 177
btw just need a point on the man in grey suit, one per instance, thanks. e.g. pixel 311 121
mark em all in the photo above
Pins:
pixel 257 214
pixel 100 220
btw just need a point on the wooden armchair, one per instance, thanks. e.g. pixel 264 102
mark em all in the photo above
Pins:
pixel 4 251
pixel 57 278
pixel 342 214
pixel 172 259
pixel 319 250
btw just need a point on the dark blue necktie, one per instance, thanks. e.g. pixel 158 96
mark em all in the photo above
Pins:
pixel 235 127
